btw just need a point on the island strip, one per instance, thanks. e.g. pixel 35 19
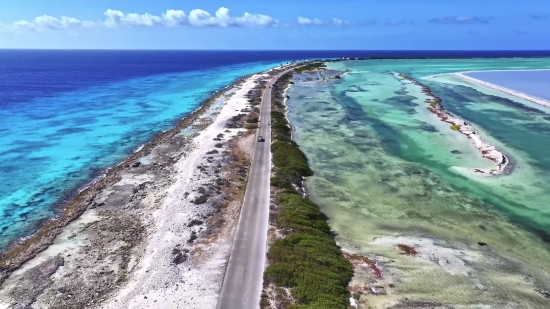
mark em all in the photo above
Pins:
pixel 299 234
pixel 487 150
pixel 515 93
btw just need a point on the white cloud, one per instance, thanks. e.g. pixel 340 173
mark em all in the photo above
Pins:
pixel 117 18
pixel 175 18
pixel 315 21
pixel 49 22
pixel 22 25
pixel 256 20
pixel 201 18
pixel 307 21
pixel 171 18
pixel 197 18
pixel 462 20
pixel 339 22
pixel 45 22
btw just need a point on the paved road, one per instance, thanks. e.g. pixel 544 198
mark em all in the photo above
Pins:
pixel 243 280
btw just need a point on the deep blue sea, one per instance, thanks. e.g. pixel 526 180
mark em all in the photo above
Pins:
pixel 66 116
pixel 534 83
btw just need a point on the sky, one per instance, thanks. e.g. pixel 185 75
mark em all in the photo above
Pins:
pixel 276 24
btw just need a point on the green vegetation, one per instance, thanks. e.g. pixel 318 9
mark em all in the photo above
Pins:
pixel 313 267
pixel 252 120
pixel 279 127
pixel 454 127
pixel 291 164
pixel 255 101
pixel 307 260
pixel 310 67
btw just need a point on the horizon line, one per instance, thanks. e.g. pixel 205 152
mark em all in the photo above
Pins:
pixel 285 50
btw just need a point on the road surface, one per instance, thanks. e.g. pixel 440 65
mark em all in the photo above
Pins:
pixel 242 285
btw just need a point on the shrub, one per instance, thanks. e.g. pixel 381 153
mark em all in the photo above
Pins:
pixel 313 267
pixel 200 200
pixel 311 67
pixel 291 163
pixel 307 260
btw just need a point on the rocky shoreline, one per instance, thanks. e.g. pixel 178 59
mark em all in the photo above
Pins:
pixel 24 250
pixel 487 150
pixel 158 222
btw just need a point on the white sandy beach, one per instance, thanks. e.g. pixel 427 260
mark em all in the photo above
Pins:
pixel 518 94
pixel 157 284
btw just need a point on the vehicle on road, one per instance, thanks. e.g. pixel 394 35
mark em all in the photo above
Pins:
pixel 261 139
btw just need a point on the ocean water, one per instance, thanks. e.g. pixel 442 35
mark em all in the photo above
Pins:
pixel 534 83
pixel 66 116
pixel 387 167
pixel 69 115
pixel 55 142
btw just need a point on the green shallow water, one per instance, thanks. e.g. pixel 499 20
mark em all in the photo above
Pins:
pixel 383 167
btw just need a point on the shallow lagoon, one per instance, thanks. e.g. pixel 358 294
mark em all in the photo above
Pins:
pixel 384 167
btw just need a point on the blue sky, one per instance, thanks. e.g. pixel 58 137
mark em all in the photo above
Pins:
pixel 278 24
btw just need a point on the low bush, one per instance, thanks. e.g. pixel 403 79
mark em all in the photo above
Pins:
pixel 200 200
pixel 311 67
pixel 307 260
pixel 290 162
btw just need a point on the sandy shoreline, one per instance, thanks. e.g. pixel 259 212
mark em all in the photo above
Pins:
pixel 518 94
pixel 154 230
pixel 487 150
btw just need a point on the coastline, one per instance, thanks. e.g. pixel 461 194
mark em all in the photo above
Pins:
pixel 487 150
pixel 162 192
pixel 24 249
pixel 209 251
pixel 515 93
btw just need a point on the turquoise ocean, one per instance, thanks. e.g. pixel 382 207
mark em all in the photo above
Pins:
pixel 69 115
